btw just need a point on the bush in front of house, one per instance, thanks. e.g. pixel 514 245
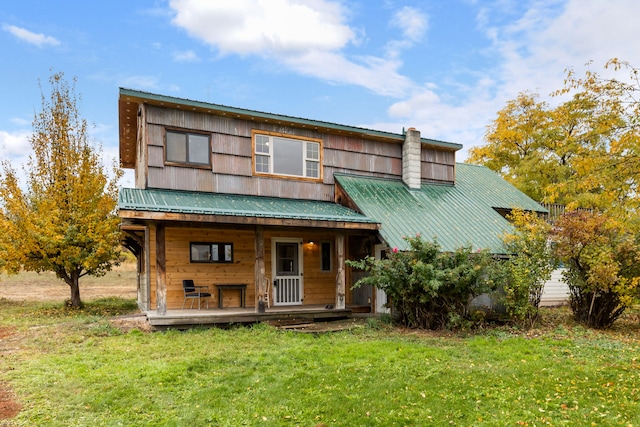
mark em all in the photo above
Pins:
pixel 602 256
pixel 528 267
pixel 429 288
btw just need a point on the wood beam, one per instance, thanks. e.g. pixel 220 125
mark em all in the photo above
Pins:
pixel 259 271
pixel 340 277
pixel 161 271
pixel 231 219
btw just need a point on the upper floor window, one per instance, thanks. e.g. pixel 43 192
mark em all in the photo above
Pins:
pixel 279 155
pixel 187 148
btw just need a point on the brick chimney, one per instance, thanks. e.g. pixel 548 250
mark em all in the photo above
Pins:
pixel 411 172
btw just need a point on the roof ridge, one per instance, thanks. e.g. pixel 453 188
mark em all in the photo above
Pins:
pixel 265 115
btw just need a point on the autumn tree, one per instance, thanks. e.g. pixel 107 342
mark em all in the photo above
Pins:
pixel 528 268
pixel 583 152
pixel 602 258
pixel 64 219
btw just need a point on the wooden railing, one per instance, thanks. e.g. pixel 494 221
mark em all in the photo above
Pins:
pixel 556 211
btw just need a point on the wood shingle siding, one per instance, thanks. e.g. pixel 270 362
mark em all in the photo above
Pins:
pixel 232 165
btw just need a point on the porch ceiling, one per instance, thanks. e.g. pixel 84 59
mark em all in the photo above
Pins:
pixel 158 204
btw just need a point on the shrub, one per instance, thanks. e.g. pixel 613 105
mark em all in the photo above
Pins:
pixel 603 265
pixel 528 268
pixel 426 287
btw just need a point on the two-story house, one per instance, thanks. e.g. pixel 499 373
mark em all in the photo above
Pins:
pixel 275 204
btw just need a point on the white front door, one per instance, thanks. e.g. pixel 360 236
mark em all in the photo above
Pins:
pixel 286 261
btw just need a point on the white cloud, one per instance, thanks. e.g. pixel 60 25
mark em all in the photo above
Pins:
pixel 185 56
pixel 376 74
pixel 139 82
pixel 14 144
pixel 307 36
pixel 258 26
pixel 412 22
pixel 20 121
pixel 15 149
pixel 37 39
pixel 530 53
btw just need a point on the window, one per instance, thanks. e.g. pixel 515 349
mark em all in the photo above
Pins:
pixel 212 252
pixel 326 257
pixel 278 155
pixel 187 148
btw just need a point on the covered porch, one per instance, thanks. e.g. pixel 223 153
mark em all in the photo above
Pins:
pixel 259 258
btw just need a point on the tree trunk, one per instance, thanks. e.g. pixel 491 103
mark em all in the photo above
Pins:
pixel 73 281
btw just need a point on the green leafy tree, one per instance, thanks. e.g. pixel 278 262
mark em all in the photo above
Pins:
pixel 584 152
pixel 428 288
pixel 64 220
pixel 602 258
pixel 528 268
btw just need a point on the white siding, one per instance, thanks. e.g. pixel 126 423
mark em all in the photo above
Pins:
pixel 556 291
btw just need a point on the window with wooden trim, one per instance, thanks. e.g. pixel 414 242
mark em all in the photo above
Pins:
pixel 187 148
pixel 326 256
pixel 211 252
pixel 286 156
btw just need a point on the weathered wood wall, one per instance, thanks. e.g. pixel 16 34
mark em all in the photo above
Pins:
pixel 437 165
pixel 231 147
pixel 319 286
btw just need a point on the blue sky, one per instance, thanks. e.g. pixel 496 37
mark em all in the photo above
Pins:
pixel 443 67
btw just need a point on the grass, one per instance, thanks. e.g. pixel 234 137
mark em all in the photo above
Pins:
pixel 74 368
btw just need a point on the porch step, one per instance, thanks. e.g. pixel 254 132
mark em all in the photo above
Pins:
pixel 360 309
pixel 322 327
pixel 182 319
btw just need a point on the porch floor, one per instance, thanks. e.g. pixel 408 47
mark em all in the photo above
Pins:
pixel 178 318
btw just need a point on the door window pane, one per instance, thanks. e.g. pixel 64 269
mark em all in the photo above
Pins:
pixel 287 259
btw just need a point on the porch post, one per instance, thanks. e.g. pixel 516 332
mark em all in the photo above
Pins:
pixel 259 271
pixel 161 271
pixel 340 277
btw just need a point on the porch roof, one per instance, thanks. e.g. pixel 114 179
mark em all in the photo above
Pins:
pixel 163 204
pixel 457 215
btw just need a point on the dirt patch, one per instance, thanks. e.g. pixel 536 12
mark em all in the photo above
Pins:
pixel 322 327
pixel 9 407
pixel 128 323
pixel 6 332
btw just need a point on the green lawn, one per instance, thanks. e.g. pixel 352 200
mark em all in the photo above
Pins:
pixel 76 369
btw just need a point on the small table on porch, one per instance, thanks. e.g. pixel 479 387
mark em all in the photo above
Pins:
pixel 239 286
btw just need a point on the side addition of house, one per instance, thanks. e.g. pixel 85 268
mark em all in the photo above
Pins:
pixel 265 208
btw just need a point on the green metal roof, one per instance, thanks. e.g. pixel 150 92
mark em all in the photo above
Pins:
pixel 278 117
pixel 457 215
pixel 189 202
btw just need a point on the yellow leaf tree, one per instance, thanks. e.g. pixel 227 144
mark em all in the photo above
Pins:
pixel 584 152
pixel 64 219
